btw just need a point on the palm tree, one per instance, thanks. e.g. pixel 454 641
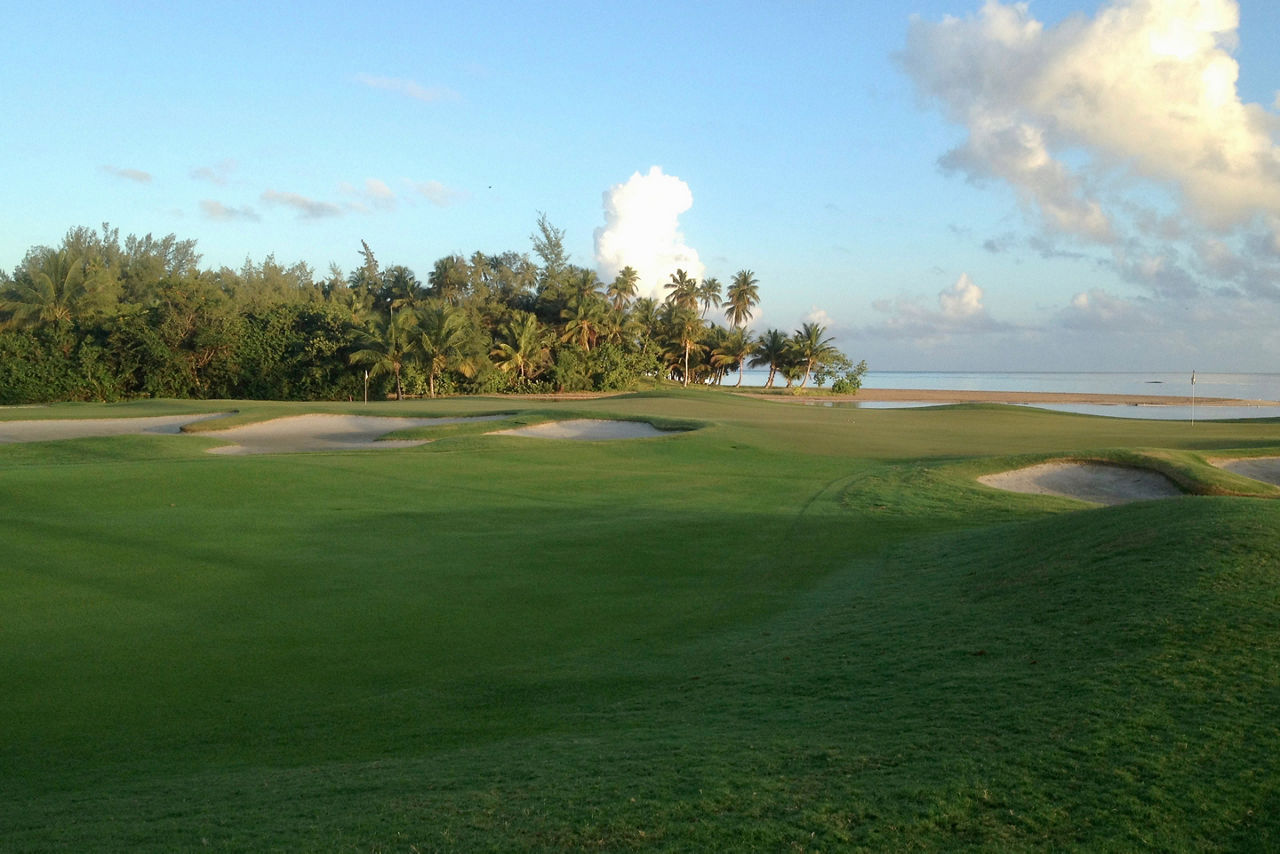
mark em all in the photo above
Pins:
pixel 402 287
pixel 685 328
pixel 812 348
pixel 709 294
pixel 642 322
pixel 385 347
pixel 684 290
pixel 437 338
pixel 736 346
pixel 49 290
pixel 771 350
pixel 448 279
pixel 623 288
pixel 742 296
pixel 584 321
pixel 584 284
pixel 525 349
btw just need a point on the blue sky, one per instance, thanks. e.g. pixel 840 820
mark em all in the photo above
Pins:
pixel 921 177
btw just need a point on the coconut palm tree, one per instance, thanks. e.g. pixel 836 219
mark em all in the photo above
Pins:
pixel 811 348
pixel 385 347
pixel 684 290
pixel 524 349
pixel 438 337
pixel 771 349
pixel 709 294
pixel 584 284
pixel 49 289
pixel 585 320
pixel 448 279
pixel 741 298
pixel 734 349
pixel 685 328
pixel 623 288
pixel 642 323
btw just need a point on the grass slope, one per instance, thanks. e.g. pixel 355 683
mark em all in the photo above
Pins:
pixel 797 627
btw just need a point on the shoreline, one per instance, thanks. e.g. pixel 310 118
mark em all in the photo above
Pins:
pixel 942 396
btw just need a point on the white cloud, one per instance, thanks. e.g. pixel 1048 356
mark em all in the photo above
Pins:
pixel 1098 310
pixel 962 300
pixel 439 194
pixel 642 230
pixel 374 194
pixel 306 208
pixel 219 173
pixel 218 211
pixel 960 312
pixel 408 88
pixel 819 316
pixel 136 175
pixel 1143 90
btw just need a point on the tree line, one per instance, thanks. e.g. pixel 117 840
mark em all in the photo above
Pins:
pixel 97 318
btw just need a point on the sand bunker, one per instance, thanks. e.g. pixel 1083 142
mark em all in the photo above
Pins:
pixel 587 429
pixel 1094 482
pixel 1265 469
pixel 307 433
pixel 83 428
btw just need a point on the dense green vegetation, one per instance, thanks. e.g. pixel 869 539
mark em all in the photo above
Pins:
pixel 97 319
pixel 796 627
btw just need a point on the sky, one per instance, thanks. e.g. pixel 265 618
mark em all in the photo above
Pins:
pixel 943 184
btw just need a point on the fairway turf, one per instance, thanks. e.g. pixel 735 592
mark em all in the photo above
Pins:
pixel 796 627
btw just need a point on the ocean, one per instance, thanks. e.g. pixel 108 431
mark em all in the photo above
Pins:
pixel 1242 386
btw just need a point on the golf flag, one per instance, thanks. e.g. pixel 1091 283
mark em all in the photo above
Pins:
pixel 1193 377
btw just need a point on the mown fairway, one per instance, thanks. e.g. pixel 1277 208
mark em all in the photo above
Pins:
pixel 798 627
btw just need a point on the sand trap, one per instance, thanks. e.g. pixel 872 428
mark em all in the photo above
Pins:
pixel 83 428
pixel 308 433
pixel 1094 482
pixel 1265 469
pixel 587 429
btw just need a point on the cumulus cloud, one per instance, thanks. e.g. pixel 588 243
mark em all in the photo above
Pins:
pixel 642 230
pixel 819 316
pixel 408 88
pixel 218 211
pixel 306 208
pixel 960 311
pixel 1070 115
pixel 128 174
pixel 373 194
pixel 438 194
pixel 1098 310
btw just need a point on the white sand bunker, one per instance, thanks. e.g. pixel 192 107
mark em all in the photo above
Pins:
pixel 1265 469
pixel 304 433
pixel 83 428
pixel 1098 483
pixel 587 429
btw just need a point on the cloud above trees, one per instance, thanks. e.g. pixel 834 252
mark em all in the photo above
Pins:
pixel 642 230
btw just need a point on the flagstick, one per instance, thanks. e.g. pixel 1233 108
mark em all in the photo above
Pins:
pixel 1193 398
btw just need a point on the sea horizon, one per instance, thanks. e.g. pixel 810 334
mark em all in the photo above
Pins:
pixel 1240 385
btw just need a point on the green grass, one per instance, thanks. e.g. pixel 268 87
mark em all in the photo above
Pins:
pixel 794 627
